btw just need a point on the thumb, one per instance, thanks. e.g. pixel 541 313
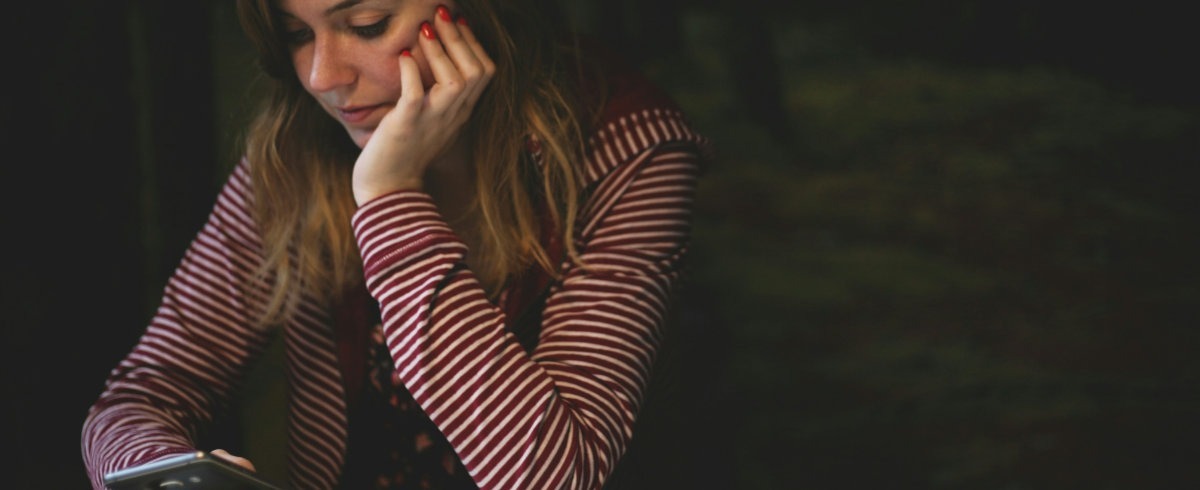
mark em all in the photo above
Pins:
pixel 238 460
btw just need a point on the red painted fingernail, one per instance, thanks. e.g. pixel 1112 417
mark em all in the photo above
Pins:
pixel 406 53
pixel 427 30
pixel 462 20
pixel 444 13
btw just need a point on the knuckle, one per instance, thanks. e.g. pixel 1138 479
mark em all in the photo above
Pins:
pixel 409 102
pixel 472 73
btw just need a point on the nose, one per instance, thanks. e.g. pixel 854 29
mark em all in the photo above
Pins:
pixel 330 69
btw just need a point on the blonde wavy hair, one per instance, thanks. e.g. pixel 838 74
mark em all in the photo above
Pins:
pixel 301 160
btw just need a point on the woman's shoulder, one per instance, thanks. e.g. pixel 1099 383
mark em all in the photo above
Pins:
pixel 611 87
pixel 630 114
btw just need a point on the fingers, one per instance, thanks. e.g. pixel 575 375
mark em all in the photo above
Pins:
pixel 460 66
pixel 489 66
pixel 464 56
pixel 482 68
pixel 445 75
pixel 412 91
pixel 238 460
pixel 431 110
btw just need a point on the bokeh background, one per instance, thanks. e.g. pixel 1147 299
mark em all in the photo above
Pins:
pixel 944 244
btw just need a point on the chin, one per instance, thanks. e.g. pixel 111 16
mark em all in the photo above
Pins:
pixel 361 137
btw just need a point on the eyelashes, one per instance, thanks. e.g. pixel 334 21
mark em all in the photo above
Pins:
pixel 370 31
pixel 297 37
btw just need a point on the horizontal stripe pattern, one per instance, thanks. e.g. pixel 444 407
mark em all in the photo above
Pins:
pixel 556 418
pixel 190 358
pixel 561 416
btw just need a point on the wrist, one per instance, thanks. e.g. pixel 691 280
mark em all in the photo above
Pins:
pixel 365 193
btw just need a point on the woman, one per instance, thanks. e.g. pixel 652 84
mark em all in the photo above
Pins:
pixel 468 232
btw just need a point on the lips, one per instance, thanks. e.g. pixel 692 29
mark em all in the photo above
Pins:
pixel 355 114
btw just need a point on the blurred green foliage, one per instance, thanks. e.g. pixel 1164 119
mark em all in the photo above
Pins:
pixel 950 276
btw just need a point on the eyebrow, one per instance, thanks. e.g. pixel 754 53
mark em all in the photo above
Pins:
pixel 343 5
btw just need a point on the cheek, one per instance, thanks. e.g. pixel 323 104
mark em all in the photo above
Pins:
pixel 381 69
pixel 382 65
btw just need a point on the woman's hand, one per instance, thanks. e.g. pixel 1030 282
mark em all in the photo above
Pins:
pixel 238 460
pixel 423 125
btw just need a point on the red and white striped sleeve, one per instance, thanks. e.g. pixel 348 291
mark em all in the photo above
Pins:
pixel 185 366
pixel 561 416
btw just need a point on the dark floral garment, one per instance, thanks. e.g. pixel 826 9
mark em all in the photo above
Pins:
pixel 393 444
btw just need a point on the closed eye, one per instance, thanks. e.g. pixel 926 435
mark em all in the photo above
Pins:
pixel 297 37
pixel 372 31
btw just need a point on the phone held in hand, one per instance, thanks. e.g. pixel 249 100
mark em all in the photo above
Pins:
pixel 196 470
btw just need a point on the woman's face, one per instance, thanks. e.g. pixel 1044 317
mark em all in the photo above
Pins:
pixel 346 54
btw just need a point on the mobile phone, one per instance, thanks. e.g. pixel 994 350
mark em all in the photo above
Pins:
pixel 195 470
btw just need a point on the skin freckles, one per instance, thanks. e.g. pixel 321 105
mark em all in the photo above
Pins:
pixel 405 111
pixel 346 54
pixel 401 76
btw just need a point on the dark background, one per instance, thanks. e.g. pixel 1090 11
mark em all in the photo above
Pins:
pixel 945 245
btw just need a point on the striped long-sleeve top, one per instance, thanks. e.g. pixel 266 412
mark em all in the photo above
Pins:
pixel 558 416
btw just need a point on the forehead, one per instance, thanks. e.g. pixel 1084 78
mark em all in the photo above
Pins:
pixel 325 8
